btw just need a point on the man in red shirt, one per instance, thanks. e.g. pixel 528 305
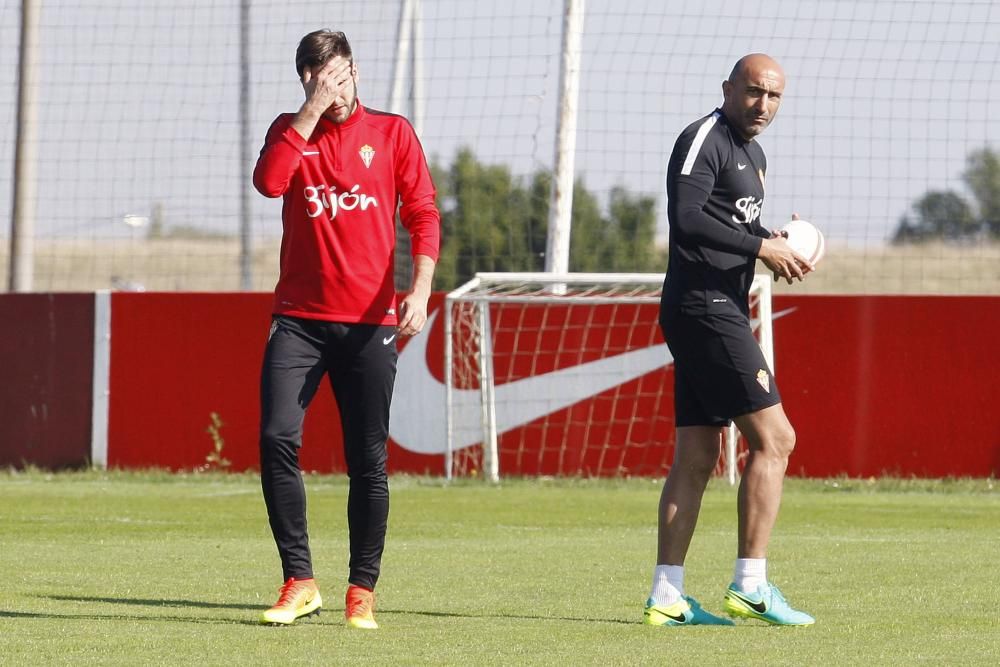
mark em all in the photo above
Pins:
pixel 342 171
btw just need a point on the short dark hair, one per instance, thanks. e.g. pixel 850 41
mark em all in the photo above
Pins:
pixel 320 47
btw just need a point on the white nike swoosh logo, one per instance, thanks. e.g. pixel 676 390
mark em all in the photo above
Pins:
pixel 741 167
pixel 386 341
pixel 419 396
pixel 417 419
pixel 310 152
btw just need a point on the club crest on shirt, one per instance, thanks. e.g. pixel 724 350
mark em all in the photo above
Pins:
pixel 764 380
pixel 367 154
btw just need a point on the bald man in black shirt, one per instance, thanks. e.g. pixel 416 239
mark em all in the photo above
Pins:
pixel 715 194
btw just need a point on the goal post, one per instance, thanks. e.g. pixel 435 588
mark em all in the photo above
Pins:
pixel 566 374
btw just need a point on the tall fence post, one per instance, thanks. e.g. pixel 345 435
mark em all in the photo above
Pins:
pixel 246 239
pixel 561 209
pixel 22 219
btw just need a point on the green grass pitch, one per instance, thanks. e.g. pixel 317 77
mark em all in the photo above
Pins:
pixel 152 568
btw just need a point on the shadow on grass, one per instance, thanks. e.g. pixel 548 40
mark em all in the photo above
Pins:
pixel 523 617
pixel 195 604
pixel 142 602
pixel 126 617
pixel 198 604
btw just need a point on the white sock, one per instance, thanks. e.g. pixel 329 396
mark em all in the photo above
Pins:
pixel 668 584
pixel 750 573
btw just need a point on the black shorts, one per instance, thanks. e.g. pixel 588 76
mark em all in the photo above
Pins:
pixel 719 369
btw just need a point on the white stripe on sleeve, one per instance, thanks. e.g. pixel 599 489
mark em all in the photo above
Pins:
pixel 699 139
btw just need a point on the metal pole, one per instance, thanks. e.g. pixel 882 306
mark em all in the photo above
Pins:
pixel 765 334
pixel 403 37
pixel 246 241
pixel 491 456
pixel 22 221
pixel 561 210
pixel 416 94
pixel 449 383
pixel 766 322
pixel 101 382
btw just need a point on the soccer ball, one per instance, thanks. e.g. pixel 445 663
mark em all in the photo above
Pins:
pixel 804 238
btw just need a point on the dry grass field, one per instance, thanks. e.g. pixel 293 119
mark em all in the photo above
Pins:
pixel 933 268
pixel 185 265
pixel 212 265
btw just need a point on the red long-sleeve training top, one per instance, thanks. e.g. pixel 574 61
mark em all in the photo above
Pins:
pixel 340 189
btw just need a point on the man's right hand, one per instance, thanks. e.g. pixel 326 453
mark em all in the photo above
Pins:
pixel 323 86
pixel 782 260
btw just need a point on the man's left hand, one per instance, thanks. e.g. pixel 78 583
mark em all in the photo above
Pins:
pixel 412 314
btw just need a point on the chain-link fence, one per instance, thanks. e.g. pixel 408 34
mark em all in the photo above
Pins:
pixel 885 138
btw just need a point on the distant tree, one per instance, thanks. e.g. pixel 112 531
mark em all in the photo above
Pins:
pixel 589 235
pixel 983 178
pixel 624 240
pixel 529 210
pixel 939 214
pixel 947 215
pixel 633 219
pixel 488 221
pixel 492 221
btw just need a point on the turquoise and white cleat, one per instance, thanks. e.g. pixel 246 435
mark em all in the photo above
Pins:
pixel 766 604
pixel 686 611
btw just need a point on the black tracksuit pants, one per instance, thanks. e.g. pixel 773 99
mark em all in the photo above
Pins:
pixel 360 362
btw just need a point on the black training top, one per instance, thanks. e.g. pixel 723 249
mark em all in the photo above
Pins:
pixel 715 192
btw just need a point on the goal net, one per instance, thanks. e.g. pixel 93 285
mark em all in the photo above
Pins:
pixel 566 374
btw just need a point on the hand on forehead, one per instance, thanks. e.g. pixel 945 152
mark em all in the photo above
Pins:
pixel 336 63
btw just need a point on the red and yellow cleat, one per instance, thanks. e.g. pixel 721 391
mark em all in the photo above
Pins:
pixel 359 608
pixel 299 597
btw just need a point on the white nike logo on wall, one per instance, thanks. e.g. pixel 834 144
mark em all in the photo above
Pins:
pixel 417 419
pixel 418 406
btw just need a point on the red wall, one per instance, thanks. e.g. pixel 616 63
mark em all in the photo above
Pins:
pixel 898 385
pixel 179 357
pixel 46 371
pixel 176 358
pixel 874 385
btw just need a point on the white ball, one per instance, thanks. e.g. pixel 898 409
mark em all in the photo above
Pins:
pixel 804 238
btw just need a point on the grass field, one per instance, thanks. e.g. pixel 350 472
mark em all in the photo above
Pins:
pixel 151 568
